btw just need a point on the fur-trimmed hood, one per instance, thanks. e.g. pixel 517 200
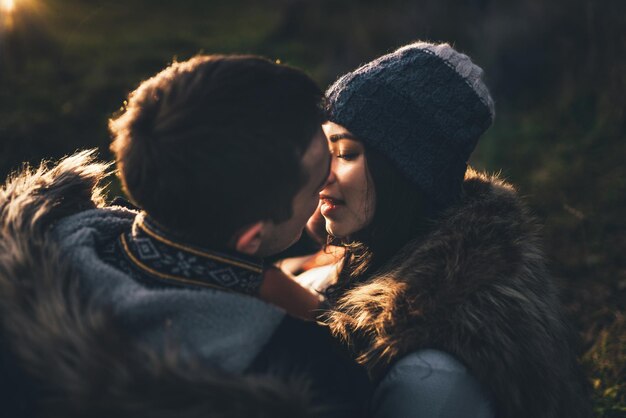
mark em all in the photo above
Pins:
pixel 64 354
pixel 476 286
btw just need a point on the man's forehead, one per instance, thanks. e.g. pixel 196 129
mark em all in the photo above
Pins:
pixel 316 161
pixel 317 153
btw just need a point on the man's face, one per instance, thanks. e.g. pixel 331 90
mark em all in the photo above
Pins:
pixel 316 163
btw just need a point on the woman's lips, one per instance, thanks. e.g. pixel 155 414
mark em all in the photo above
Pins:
pixel 330 205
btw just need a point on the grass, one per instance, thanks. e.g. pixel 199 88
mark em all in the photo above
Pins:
pixel 557 71
pixel 606 365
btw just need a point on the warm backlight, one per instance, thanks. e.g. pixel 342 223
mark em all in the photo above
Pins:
pixel 7 5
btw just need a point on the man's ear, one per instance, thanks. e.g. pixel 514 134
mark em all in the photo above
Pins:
pixel 248 240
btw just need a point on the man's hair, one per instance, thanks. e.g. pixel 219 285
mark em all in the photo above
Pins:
pixel 212 144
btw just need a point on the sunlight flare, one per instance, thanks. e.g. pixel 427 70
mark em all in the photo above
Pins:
pixel 7 6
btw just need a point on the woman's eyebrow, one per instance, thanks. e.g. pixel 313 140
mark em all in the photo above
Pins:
pixel 343 135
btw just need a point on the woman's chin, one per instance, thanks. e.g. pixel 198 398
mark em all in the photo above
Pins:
pixel 335 230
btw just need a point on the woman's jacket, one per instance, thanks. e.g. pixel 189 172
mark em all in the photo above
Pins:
pixel 475 288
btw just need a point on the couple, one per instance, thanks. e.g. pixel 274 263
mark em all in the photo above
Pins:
pixel 171 306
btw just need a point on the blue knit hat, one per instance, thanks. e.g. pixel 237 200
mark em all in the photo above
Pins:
pixel 424 107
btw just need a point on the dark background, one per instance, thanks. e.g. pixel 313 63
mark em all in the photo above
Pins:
pixel 556 69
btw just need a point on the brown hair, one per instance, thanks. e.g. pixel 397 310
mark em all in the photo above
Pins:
pixel 214 143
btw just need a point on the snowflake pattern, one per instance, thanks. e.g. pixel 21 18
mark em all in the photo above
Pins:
pixel 153 259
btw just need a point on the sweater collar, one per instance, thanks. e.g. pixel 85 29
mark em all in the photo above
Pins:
pixel 161 256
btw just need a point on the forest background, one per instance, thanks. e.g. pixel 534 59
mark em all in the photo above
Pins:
pixel 556 69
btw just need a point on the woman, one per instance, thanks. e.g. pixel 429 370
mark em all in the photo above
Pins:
pixel 443 292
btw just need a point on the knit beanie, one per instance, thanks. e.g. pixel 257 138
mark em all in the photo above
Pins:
pixel 424 107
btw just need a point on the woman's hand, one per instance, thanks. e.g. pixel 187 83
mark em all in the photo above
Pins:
pixel 280 289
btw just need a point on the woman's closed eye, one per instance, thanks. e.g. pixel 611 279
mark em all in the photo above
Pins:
pixel 348 156
pixel 346 149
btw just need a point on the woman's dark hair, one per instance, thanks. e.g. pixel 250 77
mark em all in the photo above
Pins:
pixel 403 213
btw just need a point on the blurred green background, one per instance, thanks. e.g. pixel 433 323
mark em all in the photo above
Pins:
pixel 557 71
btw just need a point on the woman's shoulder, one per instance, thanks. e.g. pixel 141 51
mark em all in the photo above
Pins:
pixel 430 383
pixel 429 360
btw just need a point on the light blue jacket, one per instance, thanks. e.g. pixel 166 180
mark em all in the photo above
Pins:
pixel 430 384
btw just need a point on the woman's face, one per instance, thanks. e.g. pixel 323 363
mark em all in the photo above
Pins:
pixel 349 199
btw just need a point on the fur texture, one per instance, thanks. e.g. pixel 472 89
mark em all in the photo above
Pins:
pixel 476 287
pixel 71 356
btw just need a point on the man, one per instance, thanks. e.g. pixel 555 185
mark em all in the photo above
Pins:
pixel 158 310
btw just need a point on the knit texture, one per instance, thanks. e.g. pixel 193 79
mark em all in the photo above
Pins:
pixel 223 329
pixel 423 106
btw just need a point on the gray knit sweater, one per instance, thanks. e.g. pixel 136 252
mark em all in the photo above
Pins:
pixel 224 329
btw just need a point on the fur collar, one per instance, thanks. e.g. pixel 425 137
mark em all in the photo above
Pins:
pixel 476 286
pixel 74 359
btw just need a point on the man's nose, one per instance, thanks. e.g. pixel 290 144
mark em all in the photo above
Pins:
pixel 331 176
